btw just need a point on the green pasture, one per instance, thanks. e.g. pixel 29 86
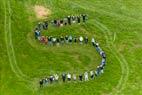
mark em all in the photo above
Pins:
pixel 115 24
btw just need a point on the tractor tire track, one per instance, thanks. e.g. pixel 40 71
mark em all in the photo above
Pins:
pixel 94 9
pixel 119 57
pixel 109 41
pixel 10 50
pixel 18 72
pixel 9 44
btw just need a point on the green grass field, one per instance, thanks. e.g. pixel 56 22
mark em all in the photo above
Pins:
pixel 115 24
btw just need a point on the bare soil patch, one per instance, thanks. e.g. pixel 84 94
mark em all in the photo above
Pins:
pixel 41 12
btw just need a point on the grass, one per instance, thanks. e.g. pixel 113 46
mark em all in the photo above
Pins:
pixel 116 25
